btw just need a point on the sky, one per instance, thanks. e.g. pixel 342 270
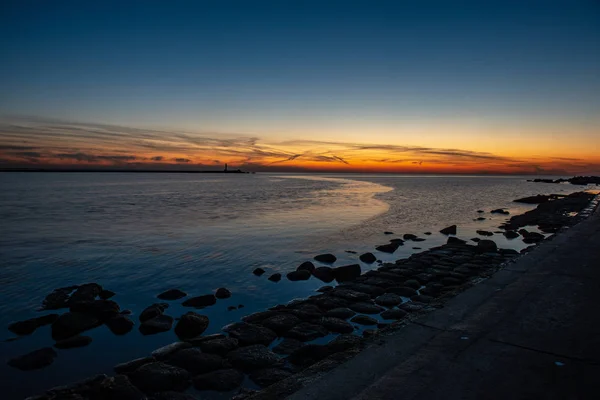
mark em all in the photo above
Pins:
pixel 335 86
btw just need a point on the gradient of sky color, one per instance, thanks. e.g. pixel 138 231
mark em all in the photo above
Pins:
pixel 406 86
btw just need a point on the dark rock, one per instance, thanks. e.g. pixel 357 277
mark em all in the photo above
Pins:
pixel 451 230
pixel 427 233
pixel 306 332
pixel 309 354
pixel 343 343
pixel 531 237
pixel 160 323
pixel 258 271
pixel 30 325
pixel 165 352
pixel 120 324
pixel 106 294
pixel 306 266
pixel 153 311
pixel 326 258
pixel 196 341
pixel 159 377
pixel 74 341
pixel 419 239
pixel 59 298
pixel 191 325
pixel 369 332
pixel 388 233
pixel 511 234
pixel 300 275
pixel 102 309
pixel 119 388
pixel 487 246
pixel 350 295
pixel 268 376
pixel 366 308
pixel 450 281
pixel 130 366
pixel 485 233
pixel 389 248
pixel 219 346
pixel 364 320
pixel 35 360
pixel 72 323
pixel 455 240
pixel 404 291
pixel 476 239
pixel 343 313
pixel 540 198
pixel 252 357
pixel 260 316
pixel 480 219
pixel 371 290
pixel 200 301
pixel 85 292
pixel 368 258
pixel 223 380
pixel 195 361
pixel 287 346
pixel 222 293
pixel 325 289
pixel 412 283
pixel 388 300
pixel 411 307
pixel 249 334
pixel 347 272
pixel 275 277
pixel 126 312
pixel 499 211
pixel 393 313
pixel 480 211
pixel 170 395
pixel 281 323
pixel 336 325
pixel 325 274
pixel 172 294
pixel 409 236
pixel 421 298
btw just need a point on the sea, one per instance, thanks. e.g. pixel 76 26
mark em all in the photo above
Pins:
pixel 139 234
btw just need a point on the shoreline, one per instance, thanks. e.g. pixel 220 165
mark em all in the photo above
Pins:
pixel 350 291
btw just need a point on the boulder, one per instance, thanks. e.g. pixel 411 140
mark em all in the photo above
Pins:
pixel 172 294
pixel 73 341
pixel 195 361
pixel 59 298
pixel 499 211
pixel 342 312
pixel 223 380
pixel 119 387
pixel 300 275
pixel 511 234
pixel 281 323
pixel 30 325
pixel 388 233
pixel 130 366
pixel 390 247
pixel 427 233
pixel 102 309
pixel 343 343
pixel 388 300
pixel 421 298
pixel 393 313
pixel 191 325
pixel 487 246
pixel 72 323
pixel 258 271
pixel 403 291
pixel 249 334
pixel 159 377
pixel 455 240
pixel 252 357
pixel 347 272
pixel 364 320
pixel 325 274
pixel 409 236
pixel 287 346
pixel 267 376
pixel 336 325
pixel 165 352
pixel 350 295
pixel 85 292
pixel 171 395
pixel 412 283
pixel 306 266
pixel 306 332
pixel 220 346
pixel 153 311
pixel 451 230
pixel 260 316
pixel 35 360
pixel 160 323
pixel 475 239
pixel 200 301
pixel 326 258
pixel 120 324
pixel 485 233
pixel 366 308
pixel 222 293
pixel 368 258
pixel 275 277
pixel 106 294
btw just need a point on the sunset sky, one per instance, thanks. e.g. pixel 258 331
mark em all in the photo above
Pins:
pixel 369 86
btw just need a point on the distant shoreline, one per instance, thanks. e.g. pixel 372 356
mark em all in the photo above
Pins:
pixel 153 171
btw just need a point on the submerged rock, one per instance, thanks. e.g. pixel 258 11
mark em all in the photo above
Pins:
pixel 451 230
pixel 30 325
pixel 190 325
pixel 200 301
pixel 326 258
pixel 119 325
pixel 222 293
pixel 249 334
pixel 153 311
pixel 72 323
pixel 74 341
pixel 102 309
pixel 275 277
pixel 222 380
pixel 172 294
pixel 160 323
pixel 35 360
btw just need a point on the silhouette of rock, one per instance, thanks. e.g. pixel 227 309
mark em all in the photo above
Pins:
pixel 74 341
pixel 223 380
pixel 153 311
pixel 300 275
pixel 275 277
pixel 325 274
pixel 258 271
pixel 326 258
pixel 30 325
pixel 191 325
pixel 72 323
pixel 200 301
pixel 172 294
pixel 306 266
pixel 119 325
pixel 222 293
pixel 252 357
pixel 35 360
pixel 160 323
pixel 451 230
pixel 346 272
pixel 368 258
pixel 159 377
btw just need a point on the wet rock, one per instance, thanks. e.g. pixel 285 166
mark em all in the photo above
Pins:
pixel 418 239
pixel 159 377
pixel 126 312
pixel 343 343
pixel 74 341
pixel 191 325
pixel 421 298
pixel 160 323
pixel 476 239
pixel 30 325
pixel 388 233
pixel 411 307
pixel 258 271
pixel 388 300
pixel 59 298
pixel 200 301
pixel 196 341
pixel 336 325
pixel 106 294
pixel 412 283
pixel 369 332
pixel 153 311
pixel 455 240
pixel 252 357
pixel 120 388
pixel 306 332
pixel 130 366
pixel 120 324
pixel 275 277
pixel 350 295
pixel 325 274
pixel 326 258
pixel 393 313
pixel 281 323
pixel 170 395
pixel 480 219
pixel 499 211
pixel 366 308
pixel 249 334
pixel 223 380
pixel 347 272
pixel 511 234
pixel 409 236
pixel 165 352
pixel 172 294
pixel 195 361
pixel 487 246
pixel 287 346
pixel 364 320
pixel 342 312
pixel 328 302
pixel 85 292
pixel 427 233
pixel 267 376
pixel 300 275
pixel 404 291
pixel 485 233
pixel 219 346
pixel 368 258
pixel 306 266
pixel 222 293
pixel 531 237
pixel 35 360
pixel 451 230
pixel 325 289
pixel 102 309
pixel 309 354
pixel 72 323
pixel 260 316
pixel 389 248
pixel 450 281
pixel 371 290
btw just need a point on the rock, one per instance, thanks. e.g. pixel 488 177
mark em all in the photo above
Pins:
pixel 487 246
pixel 73 341
pixel 30 325
pixel 102 309
pixel 350 295
pixel 485 233
pixel 511 234
pixel 499 211
pixel 222 293
pixel 421 298
pixel 306 266
pixel 347 272
pixel 195 361
pixel 403 291
pixel 369 332
pixel 476 239
pixel 455 240
pixel 309 354
pixel 368 258
pixel 126 312
pixel 412 283
pixel 85 292
pixel 165 352
pixel 35 360
pixel 200 301
pixel 393 313
pixel 427 233
pixel 119 388
pixel 191 325
pixel 390 247
pixel 388 300
pixel 409 236
pixel 59 298
pixel 342 312
pixel 260 316
pixel 249 334
pixel 223 380
pixel 364 320
pixel 366 308
pixel 306 332
pixel 359 287
pixel 531 237
pixel 153 311
pixel 300 275
pixel 120 324
pixel 281 323
pixel 268 376
pixel 450 281
pixel 451 230
pixel 343 343
pixel 480 219
pixel 258 271
pixel 72 323
pixel 160 323
pixel 411 307
pixel 252 357
pixel 326 258
pixel 172 294
pixel 170 395
pixel 219 346
pixel 106 294
pixel 159 377
pixel 201 339
pixel 336 325
pixel 130 366
pixel 325 274
pixel 388 233
pixel 325 289
pixel 275 277
pixel 287 346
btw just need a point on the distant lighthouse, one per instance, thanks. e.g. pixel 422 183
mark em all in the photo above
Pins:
pixel 225 168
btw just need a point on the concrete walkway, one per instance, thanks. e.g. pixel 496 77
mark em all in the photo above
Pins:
pixel 532 331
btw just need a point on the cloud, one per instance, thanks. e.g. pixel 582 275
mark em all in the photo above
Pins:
pixel 157 158
pixel 182 160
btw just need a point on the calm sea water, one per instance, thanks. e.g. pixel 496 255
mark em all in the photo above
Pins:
pixel 140 234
